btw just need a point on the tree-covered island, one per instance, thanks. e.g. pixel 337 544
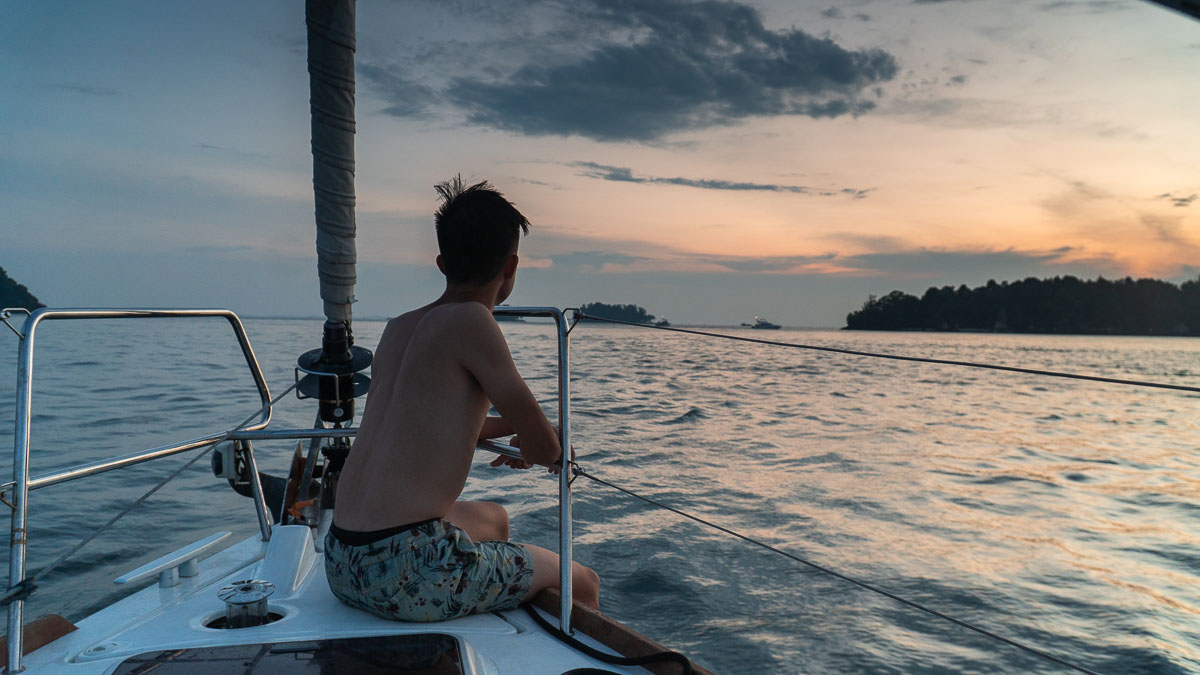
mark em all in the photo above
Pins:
pixel 14 295
pixel 630 313
pixel 1059 305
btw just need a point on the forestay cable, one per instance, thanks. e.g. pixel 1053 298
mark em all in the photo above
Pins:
pixel 899 357
pixel 578 471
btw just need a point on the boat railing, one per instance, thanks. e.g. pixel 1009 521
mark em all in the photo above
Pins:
pixel 16 492
pixel 563 332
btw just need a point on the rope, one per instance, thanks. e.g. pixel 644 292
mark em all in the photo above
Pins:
pixel 28 585
pixel 898 357
pixel 861 584
pixel 685 664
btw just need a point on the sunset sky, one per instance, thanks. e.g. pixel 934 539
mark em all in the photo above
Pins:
pixel 710 161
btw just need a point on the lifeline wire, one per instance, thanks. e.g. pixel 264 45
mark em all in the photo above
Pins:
pixel 29 584
pixel 897 357
pixel 861 584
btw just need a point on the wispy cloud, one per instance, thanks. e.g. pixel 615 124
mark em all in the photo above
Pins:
pixel 623 174
pixel 405 98
pixel 967 112
pixel 1086 6
pixel 1177 200
pixel 1169 230
pixel 837 13
pixel 873 257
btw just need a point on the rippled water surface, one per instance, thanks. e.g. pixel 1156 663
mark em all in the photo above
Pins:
pixel 1059 513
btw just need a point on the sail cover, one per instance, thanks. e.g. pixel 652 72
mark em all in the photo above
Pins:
pixel 331 44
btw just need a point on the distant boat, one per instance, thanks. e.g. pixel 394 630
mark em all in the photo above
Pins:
pixel 762 324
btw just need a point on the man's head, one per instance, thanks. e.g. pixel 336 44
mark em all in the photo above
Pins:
pixel 477 232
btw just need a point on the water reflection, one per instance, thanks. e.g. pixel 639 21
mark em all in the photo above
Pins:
pixel 1061 513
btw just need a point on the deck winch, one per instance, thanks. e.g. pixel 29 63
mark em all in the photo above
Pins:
pixel 333 373
pixel 246 603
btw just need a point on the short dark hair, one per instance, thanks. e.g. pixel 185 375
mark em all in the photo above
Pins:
pixel 477 229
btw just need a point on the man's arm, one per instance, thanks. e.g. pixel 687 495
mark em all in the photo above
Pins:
pixel 495 427
pixel 484 353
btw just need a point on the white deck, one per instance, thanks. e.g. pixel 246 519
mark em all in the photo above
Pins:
pixel 158 618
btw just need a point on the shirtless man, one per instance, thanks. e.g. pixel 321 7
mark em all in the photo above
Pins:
pixel 402 545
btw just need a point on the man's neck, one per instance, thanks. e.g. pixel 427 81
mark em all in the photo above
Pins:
pixel 484 295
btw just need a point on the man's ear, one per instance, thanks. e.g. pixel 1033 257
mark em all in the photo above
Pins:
pixel 510 267
pixel 440 263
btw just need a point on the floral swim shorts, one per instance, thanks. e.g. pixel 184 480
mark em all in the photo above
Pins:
pixel 427 571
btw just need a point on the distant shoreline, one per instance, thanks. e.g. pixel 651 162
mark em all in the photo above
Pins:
pixel 994 331
pixel 1063 305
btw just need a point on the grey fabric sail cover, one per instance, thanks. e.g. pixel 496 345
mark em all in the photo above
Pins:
pixel 331 44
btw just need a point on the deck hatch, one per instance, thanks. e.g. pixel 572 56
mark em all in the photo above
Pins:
pixel 427 653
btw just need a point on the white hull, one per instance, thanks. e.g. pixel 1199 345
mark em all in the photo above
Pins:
pixel 156 619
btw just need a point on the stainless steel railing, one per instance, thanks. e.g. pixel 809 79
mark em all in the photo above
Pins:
pixel 563 330
pixel 21 484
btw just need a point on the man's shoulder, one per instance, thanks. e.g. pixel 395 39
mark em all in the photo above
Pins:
pixel 459 314
pixel 451 326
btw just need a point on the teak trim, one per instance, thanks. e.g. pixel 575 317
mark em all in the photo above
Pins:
pixel 38 634
pixel 611 633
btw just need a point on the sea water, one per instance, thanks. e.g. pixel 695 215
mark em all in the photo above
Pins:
pixel 1059 513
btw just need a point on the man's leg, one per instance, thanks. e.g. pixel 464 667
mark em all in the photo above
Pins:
pixel 585 583
pixel 483 521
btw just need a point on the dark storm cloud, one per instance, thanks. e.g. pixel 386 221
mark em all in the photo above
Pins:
pixel 669 66
pixel 623 174
pixel 1178 201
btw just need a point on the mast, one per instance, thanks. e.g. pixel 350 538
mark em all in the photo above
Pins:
pixel 333 375
pixel 331 44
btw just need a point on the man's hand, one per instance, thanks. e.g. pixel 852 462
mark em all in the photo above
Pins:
pixel 514 463
pixel 553 468
pixel 511 462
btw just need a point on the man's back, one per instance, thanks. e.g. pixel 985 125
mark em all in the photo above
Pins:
pixel 402 545
pixel 421 421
